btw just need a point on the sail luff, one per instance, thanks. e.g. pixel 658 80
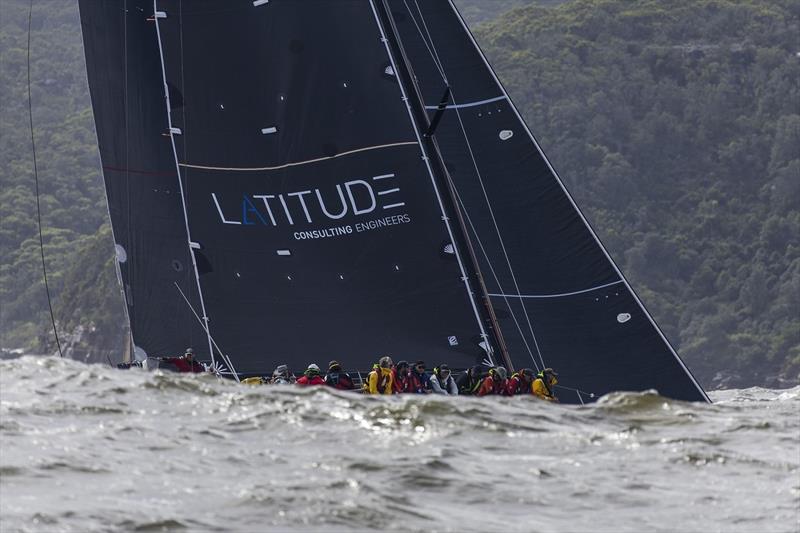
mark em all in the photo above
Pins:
pixel 575 205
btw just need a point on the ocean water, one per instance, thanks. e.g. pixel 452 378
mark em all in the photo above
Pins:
pixel 90 448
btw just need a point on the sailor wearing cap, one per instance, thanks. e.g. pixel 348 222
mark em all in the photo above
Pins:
pixel 544 383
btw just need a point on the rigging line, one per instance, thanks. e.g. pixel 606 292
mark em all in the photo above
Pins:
pixel 180 178
pixel 128 225
pixel 496 227
pixel 579 391
pixel 36 182
pixel 222 354
pixel 483 189
pixel 426 159
pixel 298 163
pixel 185 127
pixel 560 294
pixel 430 39
pixel 435 58
pixel 575 205
pixel 494 275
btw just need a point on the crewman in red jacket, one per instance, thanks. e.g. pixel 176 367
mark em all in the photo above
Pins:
pixel 311 376
pixel 520 382
pixel 495 382
pixel 184 363
pixel 400 374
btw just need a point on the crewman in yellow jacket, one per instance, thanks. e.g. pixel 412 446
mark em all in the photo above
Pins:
pixel 543 385
pixel 380 380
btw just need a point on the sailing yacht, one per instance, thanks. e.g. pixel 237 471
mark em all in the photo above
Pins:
pixel 291 182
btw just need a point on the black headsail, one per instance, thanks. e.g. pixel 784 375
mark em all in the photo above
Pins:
pixel 560 299
pixel 281 190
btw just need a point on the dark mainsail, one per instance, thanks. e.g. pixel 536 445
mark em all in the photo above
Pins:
pixel 288 166
pixel 560 299
pixel 283 190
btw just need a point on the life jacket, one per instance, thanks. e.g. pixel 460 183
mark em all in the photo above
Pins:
pixel 418 383
pixel 469 382
pixel 541 388
pixel 400 383
pixel 517 384
pixel 492 385
pixel 339 380
pixel 380 381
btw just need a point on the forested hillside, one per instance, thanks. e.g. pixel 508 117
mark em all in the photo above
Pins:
pixel 676 125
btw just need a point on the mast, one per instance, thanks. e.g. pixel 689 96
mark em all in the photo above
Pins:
pixel 408 79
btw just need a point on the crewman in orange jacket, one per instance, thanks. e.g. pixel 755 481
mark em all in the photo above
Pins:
pixel 494 382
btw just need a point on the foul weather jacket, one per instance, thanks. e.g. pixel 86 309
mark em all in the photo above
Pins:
pixel 448 387
pixel 400 381
pixel 489 385
pixel 183 364
pixel 314 380
pixel 542 391
pixel 380 381
pixel 418 383
pixel 339 380
pixel 516 385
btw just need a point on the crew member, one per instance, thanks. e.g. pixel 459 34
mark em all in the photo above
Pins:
pixel 311 376
pixel 400 377
pixel 418 380
pixel 494 382
pixel 337 378
pixel 380 380
pixel 544 383
pixel 521 382
pixel 185 363
pixel 442 381
pixel 282 376
pixel 470 380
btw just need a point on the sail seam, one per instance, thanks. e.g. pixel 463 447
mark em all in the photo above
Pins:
pixel 575 205
pixel 180 185
pixel 506 295
pixel 469 104
pixel 298 163
pixel 425 158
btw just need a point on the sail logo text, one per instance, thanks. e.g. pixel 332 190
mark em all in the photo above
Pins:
pixel 355 197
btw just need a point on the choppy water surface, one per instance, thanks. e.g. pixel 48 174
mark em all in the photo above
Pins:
pixel 92 448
